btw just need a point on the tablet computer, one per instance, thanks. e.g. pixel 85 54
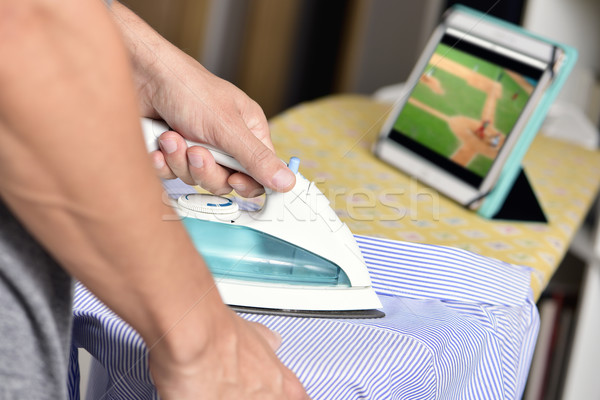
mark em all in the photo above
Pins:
pixel 465 105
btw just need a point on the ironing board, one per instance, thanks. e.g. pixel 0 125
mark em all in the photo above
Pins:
pixel 333 137
pixel 457 325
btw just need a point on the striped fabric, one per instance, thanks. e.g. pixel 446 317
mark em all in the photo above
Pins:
pixel 457 326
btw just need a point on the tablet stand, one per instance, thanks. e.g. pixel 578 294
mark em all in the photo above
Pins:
pixel 521 204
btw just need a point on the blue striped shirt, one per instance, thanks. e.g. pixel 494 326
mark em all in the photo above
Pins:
pixel 457 326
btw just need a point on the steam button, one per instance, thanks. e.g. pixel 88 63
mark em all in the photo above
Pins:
pixel 294 164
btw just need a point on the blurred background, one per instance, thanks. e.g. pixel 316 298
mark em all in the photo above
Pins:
pixel 282 52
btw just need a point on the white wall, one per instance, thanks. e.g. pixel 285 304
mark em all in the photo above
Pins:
pixel 575 23
pixel 395 33
pixel 224 35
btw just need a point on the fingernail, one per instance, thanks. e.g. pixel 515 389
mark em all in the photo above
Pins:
pixel 238 187
pixel 196 160
pixel 168 145
pixel 283 179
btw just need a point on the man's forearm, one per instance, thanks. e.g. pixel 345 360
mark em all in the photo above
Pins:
pixel 74 170
pixel 144 46
pixel 77 177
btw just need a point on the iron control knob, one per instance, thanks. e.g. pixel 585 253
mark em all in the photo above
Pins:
pixel 201 203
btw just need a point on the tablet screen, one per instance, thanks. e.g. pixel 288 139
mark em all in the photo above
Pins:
pixel 464 106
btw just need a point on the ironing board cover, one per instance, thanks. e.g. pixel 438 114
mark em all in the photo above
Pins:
pixel 333 137
pixel 457 326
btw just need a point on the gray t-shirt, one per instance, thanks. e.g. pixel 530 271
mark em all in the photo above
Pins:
pixel 35 316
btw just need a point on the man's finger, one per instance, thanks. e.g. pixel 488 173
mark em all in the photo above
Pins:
pixel 206 172
pixel 260 161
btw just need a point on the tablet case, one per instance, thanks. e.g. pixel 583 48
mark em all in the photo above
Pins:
pixel 494 201
pixel 521 203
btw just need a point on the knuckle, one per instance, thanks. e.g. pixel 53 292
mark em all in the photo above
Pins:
pixel 213 184
pixel 297 392
pixel 261 156
pixel 292 387
pixel 189 181
pixel 197 179
pixel 166 173
pixel 219 190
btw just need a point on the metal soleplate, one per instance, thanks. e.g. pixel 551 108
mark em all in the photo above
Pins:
pixel 338 314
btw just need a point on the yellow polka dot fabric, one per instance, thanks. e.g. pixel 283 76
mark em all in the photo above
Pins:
pixel 333 138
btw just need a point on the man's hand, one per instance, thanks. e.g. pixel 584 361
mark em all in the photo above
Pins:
pixel 203 108
pixel 236 361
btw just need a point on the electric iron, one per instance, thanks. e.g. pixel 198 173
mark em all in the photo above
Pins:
pixel 292 257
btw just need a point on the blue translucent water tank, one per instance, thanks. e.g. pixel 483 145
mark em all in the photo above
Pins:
pixel 240 252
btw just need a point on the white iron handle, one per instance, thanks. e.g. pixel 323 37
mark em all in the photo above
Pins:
pixel 153 129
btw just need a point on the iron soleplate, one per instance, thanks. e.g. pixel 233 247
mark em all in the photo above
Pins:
pixel 333 314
